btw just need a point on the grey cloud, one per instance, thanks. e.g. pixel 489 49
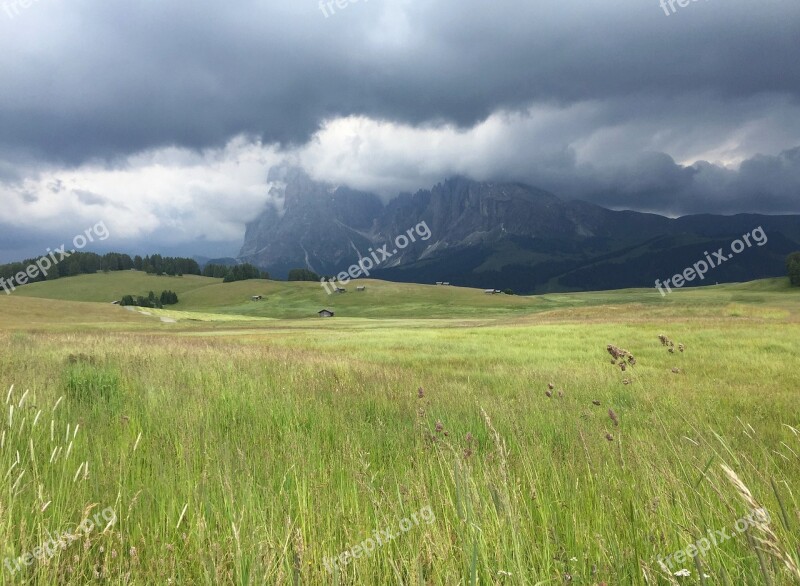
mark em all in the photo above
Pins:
pixel 655 182
pixel 196 72
pixel 626 99
pixel 89 198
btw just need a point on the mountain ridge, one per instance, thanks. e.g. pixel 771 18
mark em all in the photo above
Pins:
pixel 501 235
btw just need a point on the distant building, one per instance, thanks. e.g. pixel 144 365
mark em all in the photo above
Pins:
pixel 257 297
pixel 341 290
pixel 492 291
pixel 325 313
pixel 446 283
pixel 439 283
pixel 361 288
pixel 115 303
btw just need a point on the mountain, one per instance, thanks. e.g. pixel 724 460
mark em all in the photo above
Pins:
pixel 503 235
pixel 224 261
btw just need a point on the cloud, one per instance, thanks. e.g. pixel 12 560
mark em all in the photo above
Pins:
pixel 178 197
pixel 163 119
pixel 162 198
pixel 575 152
pixel 98 78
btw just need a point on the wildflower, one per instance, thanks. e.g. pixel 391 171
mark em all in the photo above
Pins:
pixel 468 450
pixel 609 437
pixel 683 573
pixel 613 417
pixel 596 402
pixel 439 427
pixel 421 393
pixel 549 394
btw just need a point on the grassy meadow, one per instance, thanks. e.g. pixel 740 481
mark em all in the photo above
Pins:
pixel 244 442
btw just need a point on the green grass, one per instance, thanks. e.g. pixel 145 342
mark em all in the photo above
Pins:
pixel 108 287
pixel 237 450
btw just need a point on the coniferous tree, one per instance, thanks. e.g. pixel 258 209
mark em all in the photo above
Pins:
pixel 793 267
pixel 302 275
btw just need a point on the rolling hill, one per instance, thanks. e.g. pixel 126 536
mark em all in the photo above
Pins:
pixel 390 300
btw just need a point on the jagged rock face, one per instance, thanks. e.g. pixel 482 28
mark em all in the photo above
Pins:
pixel 496 235
pixel 319 227
pixel 326 228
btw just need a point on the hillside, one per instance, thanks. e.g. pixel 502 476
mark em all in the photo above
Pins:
pixel 389 300
pixel 111 286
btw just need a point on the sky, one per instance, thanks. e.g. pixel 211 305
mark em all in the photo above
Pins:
pixel 162 118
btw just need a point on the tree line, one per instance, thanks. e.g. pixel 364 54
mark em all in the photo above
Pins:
pixel 152 300
pixel 81 263
pixel 242 272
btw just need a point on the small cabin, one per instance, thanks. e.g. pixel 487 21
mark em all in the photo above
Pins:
pixel 361 288
pixel 257 297
pixel 325 313
pixel 439 283
pixel 446 283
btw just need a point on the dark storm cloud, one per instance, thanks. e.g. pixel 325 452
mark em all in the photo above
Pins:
pixel 161 117
pixel 655 182
pixel 100 78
